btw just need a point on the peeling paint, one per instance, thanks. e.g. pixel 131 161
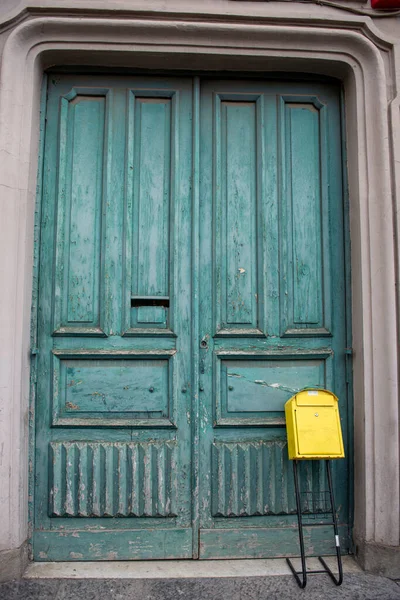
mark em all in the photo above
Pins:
pixel 102 479
pixel 72 406
pixel 278 386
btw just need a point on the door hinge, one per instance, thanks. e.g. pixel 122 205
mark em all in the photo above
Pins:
pixel 349 364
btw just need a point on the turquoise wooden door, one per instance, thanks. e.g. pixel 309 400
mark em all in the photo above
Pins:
pixel 135 457
pixel 272 307
pixel 113 447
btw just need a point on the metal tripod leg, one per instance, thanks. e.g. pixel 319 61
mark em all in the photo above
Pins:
pixel 302 583
pixel 336 530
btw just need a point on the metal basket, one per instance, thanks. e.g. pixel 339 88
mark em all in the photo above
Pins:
pixel 315 505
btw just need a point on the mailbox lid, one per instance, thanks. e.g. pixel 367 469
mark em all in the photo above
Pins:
pixel 315 398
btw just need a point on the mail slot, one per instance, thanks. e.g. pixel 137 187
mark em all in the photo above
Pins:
pixel 313 425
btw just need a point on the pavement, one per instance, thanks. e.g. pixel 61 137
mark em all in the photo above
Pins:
pixel 192 580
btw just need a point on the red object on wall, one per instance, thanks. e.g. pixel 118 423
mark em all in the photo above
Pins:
pixel 385 3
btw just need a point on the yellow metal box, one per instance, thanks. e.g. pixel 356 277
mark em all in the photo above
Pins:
pixel 313 425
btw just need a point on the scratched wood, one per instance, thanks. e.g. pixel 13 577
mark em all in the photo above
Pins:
pixel 239 176
pixel 243 490
pixel 152 158
pixel 142 453
pixel 305 255
pixel 236 214
pixel 152 176
pixel 266 385
pixel 270 228
pixel 113 411
pixel 84 483
pixel 112 545
pixel 269 543
pixel 306 202
pixel 135 388
pixel 116 386
pixel 79 208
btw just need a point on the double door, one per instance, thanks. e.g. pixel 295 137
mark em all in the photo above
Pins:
pixel 192 279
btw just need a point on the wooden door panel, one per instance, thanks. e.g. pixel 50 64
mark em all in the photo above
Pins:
pixel 305 284
pixel 98 479
pixel 244 486
pixel 152 175
pixel 236 206
pixel 266 542
pixel 252 387
pixel 271 260
pixel 126 389
pixel 237 227
pixel 78 239
pixel 112 431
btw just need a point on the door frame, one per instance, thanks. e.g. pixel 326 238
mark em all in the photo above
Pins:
pixel 354 54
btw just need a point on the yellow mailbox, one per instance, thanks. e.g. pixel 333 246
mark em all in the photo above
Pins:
pixel 313 425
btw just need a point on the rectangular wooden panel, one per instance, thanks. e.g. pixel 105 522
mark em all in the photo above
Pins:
pixel 255 478
pixel 85 215
pixel 151 180
pixel 131 544
pixel 79 223
pixel 151 173
pixel 237 124
pixel 106 391
pixel 101 479
pixel 101 386
pixel 269 542
pixel 151 314
pixel 251 389
pixel 151 152
pixel 306 210
pixel 304 250
pixel 264 386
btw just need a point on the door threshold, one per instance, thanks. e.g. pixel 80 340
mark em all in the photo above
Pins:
pixel 174 569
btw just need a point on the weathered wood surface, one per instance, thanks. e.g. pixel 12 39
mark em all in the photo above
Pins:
pixel 272 304
pixel 103 479
pixel 113 431
pixel 191 280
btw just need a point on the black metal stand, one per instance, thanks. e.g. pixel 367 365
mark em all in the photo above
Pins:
pixel 303 582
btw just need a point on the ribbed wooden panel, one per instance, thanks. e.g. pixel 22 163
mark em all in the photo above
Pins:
pixel 103 479
pixel 256 478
